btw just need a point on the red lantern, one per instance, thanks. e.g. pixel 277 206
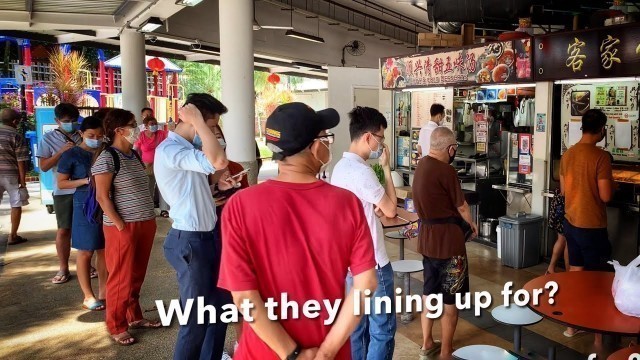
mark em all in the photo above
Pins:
pixel 273 78
pixel 156 65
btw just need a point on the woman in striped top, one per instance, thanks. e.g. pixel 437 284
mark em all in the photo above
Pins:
pixel 129 223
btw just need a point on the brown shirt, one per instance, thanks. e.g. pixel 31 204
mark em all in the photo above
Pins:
pixel 581 167
pixel 437 194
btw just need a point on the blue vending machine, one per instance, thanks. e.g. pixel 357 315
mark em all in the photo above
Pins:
pixel 45 122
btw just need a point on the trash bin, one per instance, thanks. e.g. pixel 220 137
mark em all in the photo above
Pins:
pixel 520 240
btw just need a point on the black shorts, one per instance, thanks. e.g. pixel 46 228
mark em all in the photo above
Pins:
pixel 588 248
pixel 63 207
pixel 446 276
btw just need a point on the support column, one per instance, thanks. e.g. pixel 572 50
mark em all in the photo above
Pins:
pixel 134 75
pixel 236 61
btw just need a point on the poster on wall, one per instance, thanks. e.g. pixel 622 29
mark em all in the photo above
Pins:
pixel 421 102
pixel 619 101
pixel 497 62
pixel 541 122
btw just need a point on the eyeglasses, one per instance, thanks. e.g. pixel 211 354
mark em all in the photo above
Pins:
pixel 328 137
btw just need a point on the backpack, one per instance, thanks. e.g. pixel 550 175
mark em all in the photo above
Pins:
pixel 91 209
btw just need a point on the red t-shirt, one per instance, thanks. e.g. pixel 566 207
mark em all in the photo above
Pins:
pixel 294 238
pixel 147 145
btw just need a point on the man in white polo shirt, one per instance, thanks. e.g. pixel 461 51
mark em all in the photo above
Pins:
pixel 374 336
pixel 424 140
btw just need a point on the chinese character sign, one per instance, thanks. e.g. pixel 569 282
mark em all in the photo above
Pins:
pixel 575 60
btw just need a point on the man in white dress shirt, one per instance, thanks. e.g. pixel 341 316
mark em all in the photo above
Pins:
pixel 424 140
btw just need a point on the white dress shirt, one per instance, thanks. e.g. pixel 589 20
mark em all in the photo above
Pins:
pixel 181 174
pixel 424 139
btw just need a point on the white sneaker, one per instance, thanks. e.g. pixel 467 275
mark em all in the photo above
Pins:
pixel 226 356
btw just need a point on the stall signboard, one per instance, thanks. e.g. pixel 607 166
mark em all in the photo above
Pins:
pixel 492 63
pixel 598 53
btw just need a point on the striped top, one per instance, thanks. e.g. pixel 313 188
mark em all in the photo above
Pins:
pixel 49 145
pixel 131 198
pixel 13 148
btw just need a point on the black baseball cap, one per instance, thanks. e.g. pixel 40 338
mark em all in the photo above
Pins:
pixel 293 126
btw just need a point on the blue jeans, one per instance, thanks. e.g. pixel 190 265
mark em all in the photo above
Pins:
pixel 373 339
pixel 196 258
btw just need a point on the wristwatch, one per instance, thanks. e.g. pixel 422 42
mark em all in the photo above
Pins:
pixel 296 352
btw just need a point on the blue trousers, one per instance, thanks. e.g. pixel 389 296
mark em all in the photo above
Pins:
pixel 196 258
pixel 373 339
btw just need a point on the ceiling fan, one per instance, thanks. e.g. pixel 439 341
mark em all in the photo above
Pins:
pixel 257 26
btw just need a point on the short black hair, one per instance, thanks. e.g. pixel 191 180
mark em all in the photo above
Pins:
pixel 90 122
pixel 145 109
pixel 593 121
pixel 364 120
pixel 63 110
pixel 207 104
pixel 102 113
pixel 436 109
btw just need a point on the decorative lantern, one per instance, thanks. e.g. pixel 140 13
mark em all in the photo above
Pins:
pixel 273 79
pixel 156 65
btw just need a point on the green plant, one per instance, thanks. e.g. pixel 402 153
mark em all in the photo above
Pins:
pixel 377 168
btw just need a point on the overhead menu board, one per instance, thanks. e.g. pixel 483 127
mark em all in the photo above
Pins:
pixel 619 101
pixel 421 102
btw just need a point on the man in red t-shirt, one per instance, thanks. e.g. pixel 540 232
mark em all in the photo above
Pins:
pixel 296 235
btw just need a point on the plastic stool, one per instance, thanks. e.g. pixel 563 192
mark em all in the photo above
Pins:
pixel 517 317
pixel 407 267
pixel 483 352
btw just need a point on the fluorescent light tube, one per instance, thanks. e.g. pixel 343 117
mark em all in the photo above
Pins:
pixel 188 2
pixel 303 36
pixel 510 86
pixel 598 80
pixel 437 88
pixel 151 24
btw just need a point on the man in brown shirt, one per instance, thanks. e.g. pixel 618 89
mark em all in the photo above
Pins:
pixel 586 182
pixel 440 204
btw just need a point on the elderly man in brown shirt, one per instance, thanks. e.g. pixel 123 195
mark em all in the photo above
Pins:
pixel 446 223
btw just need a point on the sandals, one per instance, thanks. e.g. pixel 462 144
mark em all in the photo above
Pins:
pixel 94 273
pixel 94 306
pixel 61 277
pixel 123 339
pixel 569 335
pixel 145 324
pixel 17 240
pixel 431 353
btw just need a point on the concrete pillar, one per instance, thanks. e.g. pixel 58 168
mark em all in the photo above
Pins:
pixel 236 62
pixel 134 71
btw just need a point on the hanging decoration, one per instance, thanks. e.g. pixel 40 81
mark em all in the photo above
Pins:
pixel 273 79
pixel 156 65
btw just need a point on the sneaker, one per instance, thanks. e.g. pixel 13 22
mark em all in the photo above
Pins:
pixel 226 356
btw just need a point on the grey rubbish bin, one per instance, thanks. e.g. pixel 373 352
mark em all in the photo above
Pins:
pixel 520 240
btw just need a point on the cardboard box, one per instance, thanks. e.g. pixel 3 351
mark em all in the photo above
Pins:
pixel 439 40
pixel 403 192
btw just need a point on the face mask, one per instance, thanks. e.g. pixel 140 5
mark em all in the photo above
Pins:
pixel 375 154
pixel 452 157
pixel 197 142
pixel 134 134
pixel 69 127
pixel 223 143
pixel 325 165
pixel 153 128
pixel 92 143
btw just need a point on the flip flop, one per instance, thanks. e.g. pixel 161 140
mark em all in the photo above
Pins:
pixel 95 306
pixel 17 240
pixel 123 339
pixel 431 353
pixel 569 335
pixel 62 277
pixel 94 273
pixel 145 324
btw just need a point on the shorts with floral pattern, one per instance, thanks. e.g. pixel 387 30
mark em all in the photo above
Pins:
pixel 446 276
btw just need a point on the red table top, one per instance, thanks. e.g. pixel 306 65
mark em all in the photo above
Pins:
pixel 625 353
pixel 583 301
pixel 396 222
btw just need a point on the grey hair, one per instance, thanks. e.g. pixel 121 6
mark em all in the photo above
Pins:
pixel 441 138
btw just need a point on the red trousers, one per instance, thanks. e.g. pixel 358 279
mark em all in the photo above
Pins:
pixel 127 255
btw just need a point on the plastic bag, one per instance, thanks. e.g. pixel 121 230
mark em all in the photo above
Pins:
pixel 626 287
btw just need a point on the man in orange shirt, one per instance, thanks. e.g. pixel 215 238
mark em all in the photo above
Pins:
pixel 586 182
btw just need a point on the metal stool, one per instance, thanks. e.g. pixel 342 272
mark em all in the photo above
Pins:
pixel 517 317
pixel 483 352
pixel 407 267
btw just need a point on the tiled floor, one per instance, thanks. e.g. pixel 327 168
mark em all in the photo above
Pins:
pixel 488 274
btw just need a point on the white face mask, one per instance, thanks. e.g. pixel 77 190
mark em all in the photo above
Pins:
pixel 223 143
pixel 378 152
pixel 134 134
pixel 325 165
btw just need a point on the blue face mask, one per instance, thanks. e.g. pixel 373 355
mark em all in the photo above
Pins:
pixel 376 154
pixel 92 143
pixel 153 128
pixel 69 127
pixel 197 142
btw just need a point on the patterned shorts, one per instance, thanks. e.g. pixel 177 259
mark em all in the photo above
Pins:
pixel 446 276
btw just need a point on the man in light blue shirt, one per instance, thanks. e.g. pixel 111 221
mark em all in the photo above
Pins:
pixel 182 163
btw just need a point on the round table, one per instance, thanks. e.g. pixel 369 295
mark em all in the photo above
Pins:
pixel 583 301
pixel 396 235
pixel 483 352
pixel 517 317
pixel 625 354
pixel 404 218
